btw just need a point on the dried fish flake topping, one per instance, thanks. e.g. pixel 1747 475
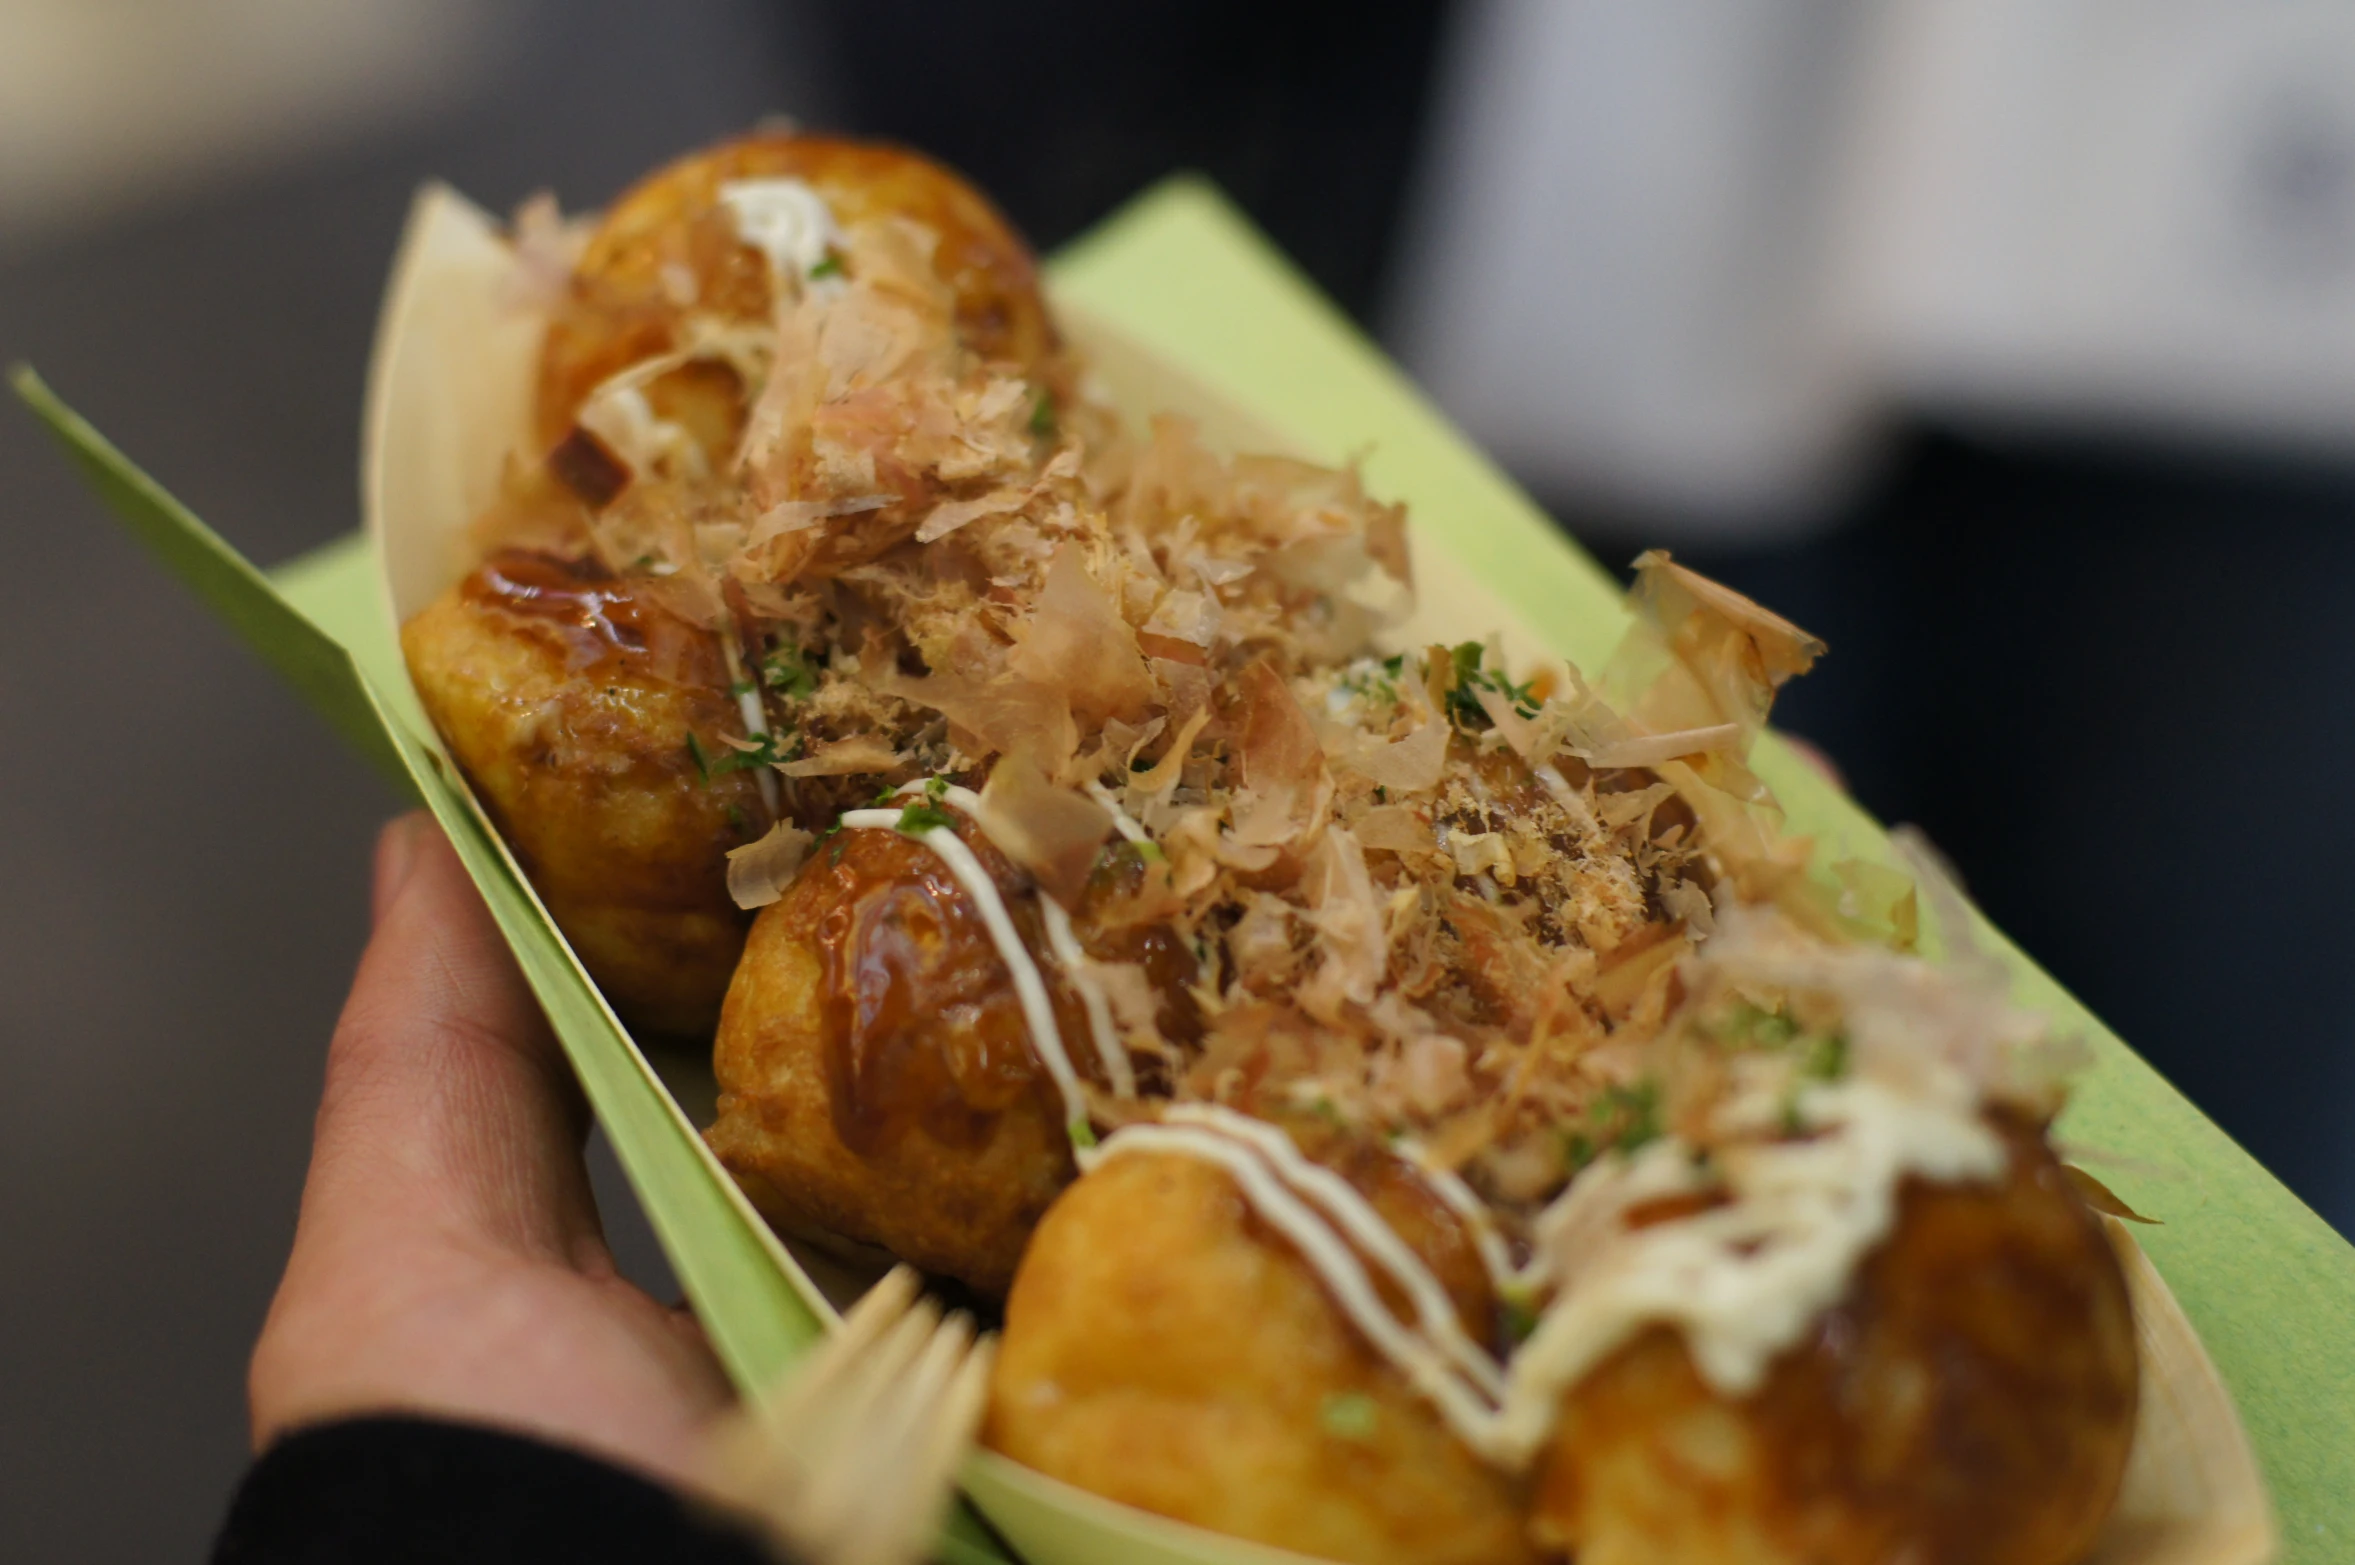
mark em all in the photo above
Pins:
pixel 1544 933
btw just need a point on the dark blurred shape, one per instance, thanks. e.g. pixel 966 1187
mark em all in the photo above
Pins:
pixel 1308 112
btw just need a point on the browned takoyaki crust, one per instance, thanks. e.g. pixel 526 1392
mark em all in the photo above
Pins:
pixel 1970 1401
pixel 878 1081
pixel 1165 1348
pixel 669 246
pixel 568 699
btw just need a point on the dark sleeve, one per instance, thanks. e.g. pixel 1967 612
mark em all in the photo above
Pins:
pixel 410 1489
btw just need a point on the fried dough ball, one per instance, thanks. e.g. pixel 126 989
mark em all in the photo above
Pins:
pixel 668 246
pixel 1163 1347
pixel 1971 1400
pixel 877 1080
pixel 568 701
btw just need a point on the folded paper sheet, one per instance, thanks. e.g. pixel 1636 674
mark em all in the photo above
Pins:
pixel 1183 305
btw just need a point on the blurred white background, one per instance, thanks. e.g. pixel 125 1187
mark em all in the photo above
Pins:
pixel 1684 256
pixel 109 104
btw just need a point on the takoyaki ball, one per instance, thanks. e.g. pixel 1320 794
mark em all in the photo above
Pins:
pixel 877 1078
pixel 568 702
pixel 669 248
pixel 1972 1399
pixel 1166 1348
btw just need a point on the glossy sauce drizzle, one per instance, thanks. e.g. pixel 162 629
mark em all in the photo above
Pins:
pixel 604 622
pixel 921 1024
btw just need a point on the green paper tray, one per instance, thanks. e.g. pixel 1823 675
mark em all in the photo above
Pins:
pixel 2269 1287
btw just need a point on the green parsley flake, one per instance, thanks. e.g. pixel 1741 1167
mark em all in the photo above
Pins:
pixel 765 750
pixel 1042 417
pixel 1083 1135
pixel 1469 678
pixel 1350 1415
pixel 1367 688
pixel 1794 1122
pixel 1521 1316
pixel 788 672
pixel 1628 1117
pixel 1826 1059
pixel 921 817
pixel 1753 1026
pixel 831 266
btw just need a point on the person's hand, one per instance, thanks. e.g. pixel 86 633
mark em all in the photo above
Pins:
pixel 449 1260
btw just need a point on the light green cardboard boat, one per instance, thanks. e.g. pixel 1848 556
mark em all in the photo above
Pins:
pixel 1182 306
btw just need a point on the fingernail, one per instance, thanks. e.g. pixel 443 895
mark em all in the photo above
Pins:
pixel 396 856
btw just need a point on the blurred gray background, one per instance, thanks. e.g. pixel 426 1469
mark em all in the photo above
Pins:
pixel 2009 345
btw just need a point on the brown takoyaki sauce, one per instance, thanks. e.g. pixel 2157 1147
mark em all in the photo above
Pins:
pixel 921 1017
pixel 605 622
pixel 922 1022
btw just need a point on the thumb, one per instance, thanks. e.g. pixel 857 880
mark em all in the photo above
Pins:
pixel 448 1111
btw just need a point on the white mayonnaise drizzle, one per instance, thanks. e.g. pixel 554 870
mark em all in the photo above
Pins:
pixel 625 423
pixel 1424 1365
pixel 1459 1198
pixel 1030 988
pixel 1435 1314
pixel 755 713
pixel 785 220
pixel 1741 1281
pixel 1077 965
pixel 946 793
pixel 1123 822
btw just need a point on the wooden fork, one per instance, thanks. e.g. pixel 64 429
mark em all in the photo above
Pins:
pixel 850 1460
